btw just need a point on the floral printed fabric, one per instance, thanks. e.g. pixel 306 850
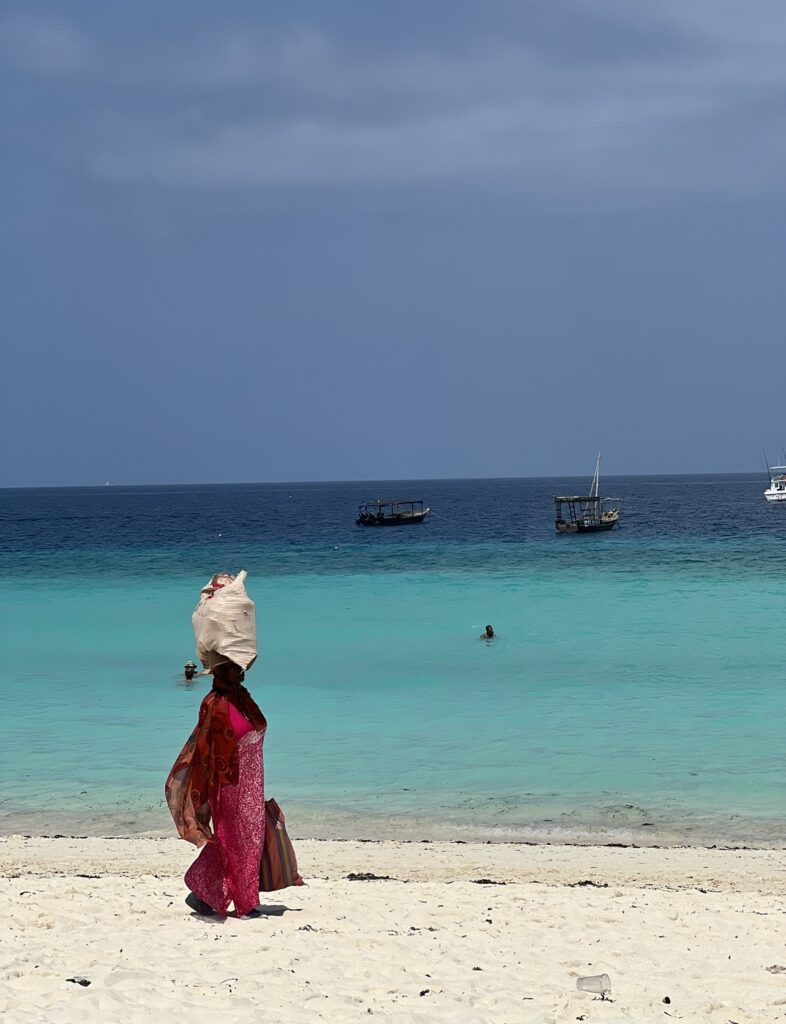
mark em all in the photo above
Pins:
pixel 227 869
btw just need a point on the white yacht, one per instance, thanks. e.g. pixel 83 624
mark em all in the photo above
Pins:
pixel 777 489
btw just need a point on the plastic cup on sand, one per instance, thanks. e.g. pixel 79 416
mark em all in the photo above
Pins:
pixel 600 984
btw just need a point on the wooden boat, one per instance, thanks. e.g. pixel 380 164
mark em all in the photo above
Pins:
pixel 586 513
pixel 398 512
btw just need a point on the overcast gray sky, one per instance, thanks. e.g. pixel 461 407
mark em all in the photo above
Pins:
pixel 256 241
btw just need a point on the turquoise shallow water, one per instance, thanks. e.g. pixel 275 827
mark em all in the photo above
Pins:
pixel 636 691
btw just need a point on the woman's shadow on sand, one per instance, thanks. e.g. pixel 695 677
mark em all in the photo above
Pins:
pixel 262 910
pixel 276 909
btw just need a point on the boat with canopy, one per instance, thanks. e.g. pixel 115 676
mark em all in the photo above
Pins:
pixel 394 512
pixel 586 513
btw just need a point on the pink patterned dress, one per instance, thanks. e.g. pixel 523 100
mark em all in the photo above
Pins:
pixel 227 868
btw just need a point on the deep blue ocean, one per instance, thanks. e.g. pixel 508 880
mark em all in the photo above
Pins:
pixel 636 691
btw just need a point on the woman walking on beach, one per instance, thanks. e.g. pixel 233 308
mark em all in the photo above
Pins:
pixel 216 789
pixel 215 793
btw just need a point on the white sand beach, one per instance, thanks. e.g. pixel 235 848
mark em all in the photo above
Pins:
pixel 685 934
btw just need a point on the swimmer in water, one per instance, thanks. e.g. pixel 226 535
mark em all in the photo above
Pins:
pixel 489 633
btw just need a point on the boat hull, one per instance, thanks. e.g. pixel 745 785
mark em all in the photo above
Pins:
pixel 775 495
pixel 407 520
pixel 583 527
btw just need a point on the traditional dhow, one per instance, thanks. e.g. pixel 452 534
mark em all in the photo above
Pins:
pixel 586 513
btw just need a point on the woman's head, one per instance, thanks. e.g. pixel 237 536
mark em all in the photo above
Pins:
pixel 229 672
pixel 228 682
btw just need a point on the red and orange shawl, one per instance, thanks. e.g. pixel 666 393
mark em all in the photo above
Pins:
pixel 209 757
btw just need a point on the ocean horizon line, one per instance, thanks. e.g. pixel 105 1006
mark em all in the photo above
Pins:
pixel 725 474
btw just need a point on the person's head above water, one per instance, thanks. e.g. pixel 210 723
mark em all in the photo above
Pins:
pixel 490 632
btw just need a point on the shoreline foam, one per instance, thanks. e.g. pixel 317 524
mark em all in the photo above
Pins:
pixel 333 824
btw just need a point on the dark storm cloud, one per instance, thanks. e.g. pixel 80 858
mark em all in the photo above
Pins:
pixel 611 98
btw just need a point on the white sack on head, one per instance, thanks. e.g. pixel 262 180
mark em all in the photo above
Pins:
pixel 225 624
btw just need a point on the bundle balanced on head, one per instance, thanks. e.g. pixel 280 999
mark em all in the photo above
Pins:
pixel 215 790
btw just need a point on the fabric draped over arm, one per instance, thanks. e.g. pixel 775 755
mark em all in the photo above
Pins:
pixel 209 758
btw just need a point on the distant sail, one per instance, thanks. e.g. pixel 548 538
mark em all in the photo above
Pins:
pixel 595 485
